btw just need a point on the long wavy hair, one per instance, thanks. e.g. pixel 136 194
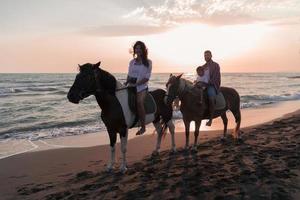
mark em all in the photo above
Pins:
pixel 144 52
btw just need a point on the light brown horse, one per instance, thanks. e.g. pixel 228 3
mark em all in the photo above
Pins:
pixel 193 111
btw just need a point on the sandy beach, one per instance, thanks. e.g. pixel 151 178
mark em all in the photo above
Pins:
pixel 266 165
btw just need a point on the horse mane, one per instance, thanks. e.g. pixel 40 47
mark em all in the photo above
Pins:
pixel 186 82
pixel 108 81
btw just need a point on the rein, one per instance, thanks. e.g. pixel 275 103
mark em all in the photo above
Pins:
pixel 180 91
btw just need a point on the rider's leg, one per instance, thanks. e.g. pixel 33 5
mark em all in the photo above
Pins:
pixel 141 110
pixel 211 92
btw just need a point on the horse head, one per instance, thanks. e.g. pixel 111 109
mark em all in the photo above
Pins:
pixel 85 82
pixel 173 88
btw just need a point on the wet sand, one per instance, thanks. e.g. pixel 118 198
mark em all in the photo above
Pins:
pixel 266 165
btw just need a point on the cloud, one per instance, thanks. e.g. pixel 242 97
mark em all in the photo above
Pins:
pixel 286 21
pixel 213 12
pixel 125 30
pixel 167 14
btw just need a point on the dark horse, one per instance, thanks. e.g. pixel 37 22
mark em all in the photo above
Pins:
pixel 92 80
pixel 193 111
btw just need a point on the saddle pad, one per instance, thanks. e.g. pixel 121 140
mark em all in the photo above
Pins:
pixel 220 101
pixel 122 96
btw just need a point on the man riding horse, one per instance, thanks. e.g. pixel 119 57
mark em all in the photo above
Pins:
pixel 212 73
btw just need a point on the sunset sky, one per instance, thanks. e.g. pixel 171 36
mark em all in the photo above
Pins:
pixel 56 35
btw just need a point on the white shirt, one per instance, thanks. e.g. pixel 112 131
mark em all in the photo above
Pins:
pixel 204 78
pixel 140 71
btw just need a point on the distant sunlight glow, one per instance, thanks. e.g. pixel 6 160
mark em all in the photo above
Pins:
pixel 185 45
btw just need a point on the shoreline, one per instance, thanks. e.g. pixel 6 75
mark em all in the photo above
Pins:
pixel 249 119
pixel 34 175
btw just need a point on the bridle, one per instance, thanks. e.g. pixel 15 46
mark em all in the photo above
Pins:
pixel 180 90
pixel 83 94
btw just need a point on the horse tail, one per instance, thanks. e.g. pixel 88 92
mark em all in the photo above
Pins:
pixel 237 116
pixel 236 111
pixel 164 128
pixel 233 102
pixel 164 112
pixel 166 117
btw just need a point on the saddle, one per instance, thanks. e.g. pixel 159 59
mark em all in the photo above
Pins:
pixel 127 100
pixel 220 100
pixel 149 104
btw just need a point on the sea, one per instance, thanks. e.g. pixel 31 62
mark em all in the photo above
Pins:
pixel 35 106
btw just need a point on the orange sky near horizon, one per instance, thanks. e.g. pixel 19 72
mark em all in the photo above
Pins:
pixel 271 45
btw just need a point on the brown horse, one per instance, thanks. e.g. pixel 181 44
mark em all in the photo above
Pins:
pixel 193 111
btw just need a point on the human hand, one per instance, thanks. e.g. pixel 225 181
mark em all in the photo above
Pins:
pixel 132 85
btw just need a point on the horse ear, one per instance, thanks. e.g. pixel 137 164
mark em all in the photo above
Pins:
pixel 171 75
pixel 97 64
pixel 179 76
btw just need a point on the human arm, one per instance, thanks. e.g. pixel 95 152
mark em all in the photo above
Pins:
pixel 127 79
pixel 215 76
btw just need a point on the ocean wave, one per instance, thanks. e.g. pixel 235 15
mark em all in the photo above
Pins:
pixel 294 85
pixel 271 98
pixel 4 91
pixel 59 92
pixel 255 105
pixel 44 126
pixel 49 133
pixel 41 89
pixel 294 77
pixel 16 91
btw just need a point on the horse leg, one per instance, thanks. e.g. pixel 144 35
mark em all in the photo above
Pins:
pixel 113 139
pixel 172 131
pixel 225 122
pixel 158 129
pixel 196 134
pixel 187 133
pixel 124 137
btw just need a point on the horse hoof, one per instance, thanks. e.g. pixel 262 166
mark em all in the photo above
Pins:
pixel 223 139
pixel 155 154
pixel 186 151
pixel 194 150
pixel 239 140
pixel 123 170
pixel 172 152
pixel 109 169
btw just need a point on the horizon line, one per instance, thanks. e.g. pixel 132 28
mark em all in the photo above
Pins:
pixel 266 72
